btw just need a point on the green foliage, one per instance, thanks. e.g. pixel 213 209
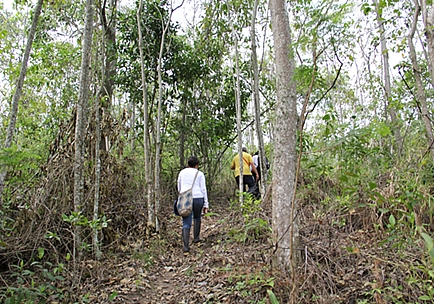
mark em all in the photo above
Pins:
pixel 78 219
pixel 38 282
pixel 22 164
pixel 254 227
pixel 252 287
pixel 429 245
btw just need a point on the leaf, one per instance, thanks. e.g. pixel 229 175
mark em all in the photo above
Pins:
pixel 272 297
pixel 429 244
pixel 372 185
pixel 392 220
pixel 113 295
pixel 382 129
pixel 343 178
pixel 41 252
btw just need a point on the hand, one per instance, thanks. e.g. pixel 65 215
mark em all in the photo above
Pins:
pixel 205 210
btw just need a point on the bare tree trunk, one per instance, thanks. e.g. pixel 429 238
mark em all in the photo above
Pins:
pixel 19 89
pixel 157 168
pixel 262 159
pixel 182 134
pixel 285 229
pixel 237 103
pixel 428 21
pixel 146 137
pixel 421 97
pixel 80 118
pixel 95 242
pixel 109 32
pixel 387 86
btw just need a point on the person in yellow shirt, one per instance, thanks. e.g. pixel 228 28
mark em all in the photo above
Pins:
pixel 247 174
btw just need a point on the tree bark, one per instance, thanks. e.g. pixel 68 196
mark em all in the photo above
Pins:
pixel 19 89
pixel 109 32
pixel 420 91
pixel 80 118
pixel 285 129
pixel 428 21
pixel 387 86
pixel 146 137
pixel 237 103
pixel 262 161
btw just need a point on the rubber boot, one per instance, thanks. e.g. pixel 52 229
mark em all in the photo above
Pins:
pixel 186 239
pixel 196 231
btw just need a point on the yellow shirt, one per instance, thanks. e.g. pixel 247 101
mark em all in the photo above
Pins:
pixel 247 159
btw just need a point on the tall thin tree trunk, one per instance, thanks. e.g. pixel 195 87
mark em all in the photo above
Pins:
pixel 96 248
pixel 80 118
pixel 285 229
pixel 158 144
pixel 237 103
pixel 109 32
pixel 19 89
pixel 387 87
pixel 421 97
pixel 146 137
pixel 182 134
pixel 428 21
pixel 259 134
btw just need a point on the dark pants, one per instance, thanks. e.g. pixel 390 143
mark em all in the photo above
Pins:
pixel 249 181
pixel 196 213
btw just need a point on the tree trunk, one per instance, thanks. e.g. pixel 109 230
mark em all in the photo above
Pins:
pixel 109 32
pixel 80 118
pixel 420 93
pixel 428 21
pixel 19 89
pixel 95 241
pixel 285 158
pixel 146 137
pixel 237 103
pixel 387 86
pixel 158 144
pixel 262 161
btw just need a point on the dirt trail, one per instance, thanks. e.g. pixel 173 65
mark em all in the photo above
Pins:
pixel 157 271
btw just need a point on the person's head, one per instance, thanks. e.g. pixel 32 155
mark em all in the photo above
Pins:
pixel 245 149
pixel 193 161
pixel 257 153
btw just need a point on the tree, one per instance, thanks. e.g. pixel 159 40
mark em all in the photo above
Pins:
pixel 285 128
pixel 420 91
pixel 146 137
pixel 19 88
pixel 80 120
pixel 428 20
pixel 387 86
pixel 255 88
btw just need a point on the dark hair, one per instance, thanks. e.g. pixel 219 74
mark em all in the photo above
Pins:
pixel 193 161
pixel 244 149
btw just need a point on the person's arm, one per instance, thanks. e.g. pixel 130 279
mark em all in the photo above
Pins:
pixel 252 165
pixel 202 184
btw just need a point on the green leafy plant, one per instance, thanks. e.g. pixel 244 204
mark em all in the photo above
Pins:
pixel 37 282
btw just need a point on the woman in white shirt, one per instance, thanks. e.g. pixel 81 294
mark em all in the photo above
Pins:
pixel 200 199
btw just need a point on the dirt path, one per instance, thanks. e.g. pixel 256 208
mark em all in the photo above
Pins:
pixel 157 271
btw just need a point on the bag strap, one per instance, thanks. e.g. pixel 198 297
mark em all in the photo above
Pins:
pixel 245 161
pixel 197 172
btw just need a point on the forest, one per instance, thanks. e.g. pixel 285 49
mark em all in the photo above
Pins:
pixel 104 101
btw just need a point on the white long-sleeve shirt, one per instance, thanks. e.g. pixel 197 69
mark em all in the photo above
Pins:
pixel 185 180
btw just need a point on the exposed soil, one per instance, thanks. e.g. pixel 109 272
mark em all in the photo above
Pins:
pixel 345 257
pixel 214 271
